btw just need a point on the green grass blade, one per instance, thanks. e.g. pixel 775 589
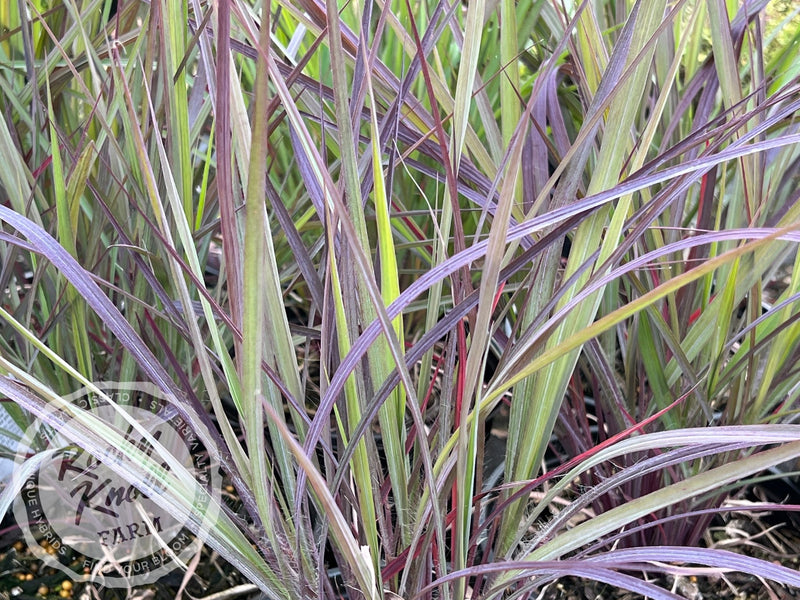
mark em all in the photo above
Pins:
pixel 551 384
pixel 66 207
pixel 392 413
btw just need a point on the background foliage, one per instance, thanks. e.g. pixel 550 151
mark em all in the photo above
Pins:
pixel 353 238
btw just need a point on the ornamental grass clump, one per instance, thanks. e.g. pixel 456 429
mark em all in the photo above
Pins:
pixel 340 241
